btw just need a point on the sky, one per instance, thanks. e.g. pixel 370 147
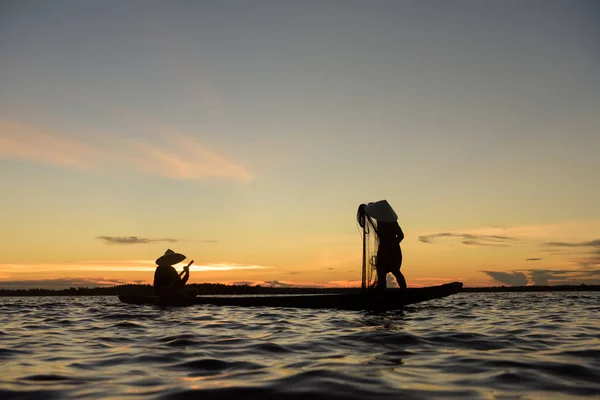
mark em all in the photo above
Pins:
pixel 245 134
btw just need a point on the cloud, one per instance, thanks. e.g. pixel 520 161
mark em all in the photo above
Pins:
pixel 184 157
pixel 540 277
pixel 592 243
pixel 126 240
pixel 589 258
pixel 173 155
pixel 533 259
pixel 132 240
pixel 115 266
pixel 544 277
pixel 587 262
pixel 509 278
pixel 276 283
pixel 471 239
pixel 45 147
pixel 391 281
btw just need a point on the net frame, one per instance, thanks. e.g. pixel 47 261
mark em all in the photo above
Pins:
pixel 370 245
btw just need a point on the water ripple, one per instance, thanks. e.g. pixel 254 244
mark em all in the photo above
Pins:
pixel 471 345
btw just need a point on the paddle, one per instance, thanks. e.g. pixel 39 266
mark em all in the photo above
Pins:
pixel 186 268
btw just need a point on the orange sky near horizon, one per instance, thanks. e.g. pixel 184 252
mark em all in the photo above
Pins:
pixel 429 259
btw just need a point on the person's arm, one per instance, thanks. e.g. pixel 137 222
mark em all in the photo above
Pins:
pixel 186 271
pixel 185 278
pixel 399 233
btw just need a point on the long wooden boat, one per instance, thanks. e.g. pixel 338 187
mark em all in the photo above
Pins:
pixel 388 299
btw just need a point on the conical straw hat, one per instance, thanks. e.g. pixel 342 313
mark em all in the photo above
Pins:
pixel 381 211
pixel 170 258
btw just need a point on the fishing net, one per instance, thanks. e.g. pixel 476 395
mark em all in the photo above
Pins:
pixel 368 228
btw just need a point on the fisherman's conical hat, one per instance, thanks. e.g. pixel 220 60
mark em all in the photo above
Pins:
pixel 381 211
pixel 170 258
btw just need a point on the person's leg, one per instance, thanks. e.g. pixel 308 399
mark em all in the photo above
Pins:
pixel 381 280
pixel 382 269
pixel 396 270
pixel 400 279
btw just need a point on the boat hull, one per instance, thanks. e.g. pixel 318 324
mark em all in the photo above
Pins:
pixel 388 299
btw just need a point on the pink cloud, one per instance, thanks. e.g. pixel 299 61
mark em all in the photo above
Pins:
pixel 44 146
pixel 180 156
pixel 184 158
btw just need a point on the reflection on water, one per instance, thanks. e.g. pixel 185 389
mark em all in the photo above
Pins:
pixel 526 345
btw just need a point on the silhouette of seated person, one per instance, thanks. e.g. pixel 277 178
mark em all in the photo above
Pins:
pixel 168 284
pixel 389 254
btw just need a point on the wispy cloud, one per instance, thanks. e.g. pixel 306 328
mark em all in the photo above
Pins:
pixel 129 240
pixel 471 239
pixel 592 243
pixel 45 146
pixel 564 231
pixel 126 240
pixel 588 251
pixel 584 254
pixel 116 266
pixel 580 251
pixel 587 262
pixel 184 157
pixel 172 155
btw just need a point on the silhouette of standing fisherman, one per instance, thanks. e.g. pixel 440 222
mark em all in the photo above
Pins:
pixel 168 284
pixel 389 254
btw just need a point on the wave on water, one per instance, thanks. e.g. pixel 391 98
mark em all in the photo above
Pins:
pixel 470 345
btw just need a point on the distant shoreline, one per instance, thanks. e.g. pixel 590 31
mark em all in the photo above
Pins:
pixel 220 289
pixel 557 288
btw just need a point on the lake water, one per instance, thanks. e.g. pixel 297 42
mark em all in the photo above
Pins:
pixel 470 345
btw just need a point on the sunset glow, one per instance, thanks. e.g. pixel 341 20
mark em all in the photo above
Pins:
pixel 247 139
